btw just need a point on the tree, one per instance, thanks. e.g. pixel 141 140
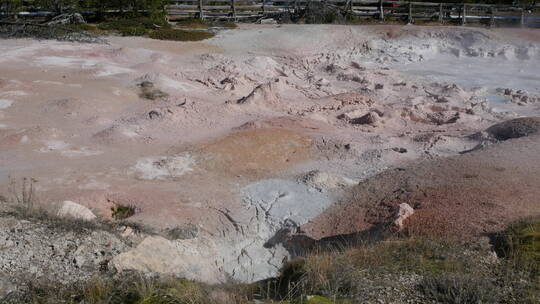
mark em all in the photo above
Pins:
pixel 9 7
pixel 58 6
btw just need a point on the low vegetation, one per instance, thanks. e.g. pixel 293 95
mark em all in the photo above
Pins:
pixel 122 212
pixel 203 24
pixel 180 35
pixel 422 269
pixel 155 28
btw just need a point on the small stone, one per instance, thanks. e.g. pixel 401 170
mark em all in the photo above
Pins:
pixel 404 212
pixel 379 86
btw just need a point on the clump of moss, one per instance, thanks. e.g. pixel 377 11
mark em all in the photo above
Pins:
pixel 180 35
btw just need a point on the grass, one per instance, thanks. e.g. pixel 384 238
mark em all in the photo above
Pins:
pixel 522 242
pixel 180 35
pixel 22 195
pixel 459 289
pixel 82 27
pixel 142 22
pixel 133 31
pixel 204 24
pixel 356 274
pixel 446 271
pixel 157 29
pixel 123 289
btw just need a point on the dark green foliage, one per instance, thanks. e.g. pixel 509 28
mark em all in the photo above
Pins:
pixel 180 35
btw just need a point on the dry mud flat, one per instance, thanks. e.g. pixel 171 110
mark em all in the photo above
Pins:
pixel 267 130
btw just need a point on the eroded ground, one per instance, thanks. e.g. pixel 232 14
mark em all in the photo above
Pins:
pixel 249 116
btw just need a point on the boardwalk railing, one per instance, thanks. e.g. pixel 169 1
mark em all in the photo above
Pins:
pixel 381 9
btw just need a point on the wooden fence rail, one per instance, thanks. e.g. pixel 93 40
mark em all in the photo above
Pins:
pixel 382 9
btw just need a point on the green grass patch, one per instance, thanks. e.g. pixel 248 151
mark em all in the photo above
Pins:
pixel 133 31
pixel 81 27
pixel 204 24
pixel 520 245
pixel 180 35
pixel 142 22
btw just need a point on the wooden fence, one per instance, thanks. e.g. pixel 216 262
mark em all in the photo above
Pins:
pixel 384 9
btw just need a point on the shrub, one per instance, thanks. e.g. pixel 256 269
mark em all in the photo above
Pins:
pixel 121 212
pixel 459 289
pixel 180 35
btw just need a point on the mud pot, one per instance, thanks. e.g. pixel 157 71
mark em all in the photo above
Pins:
pixel 265 132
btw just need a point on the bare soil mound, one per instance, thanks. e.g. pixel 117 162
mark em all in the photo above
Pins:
pixel 515 128
pixel 464 196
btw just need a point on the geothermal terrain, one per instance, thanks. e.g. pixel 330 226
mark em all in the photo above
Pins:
pixel 239 152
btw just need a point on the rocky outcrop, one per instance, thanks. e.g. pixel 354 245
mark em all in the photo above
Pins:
pixel 58 251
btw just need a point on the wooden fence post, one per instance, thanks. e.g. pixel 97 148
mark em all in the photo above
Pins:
pixel 464 19
pixel 410 13
pixel 492 19
pixel 348 7
pixel 201 15
pixel 522 19
pixel 440 13
pixel 381 13
pixel 233 10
